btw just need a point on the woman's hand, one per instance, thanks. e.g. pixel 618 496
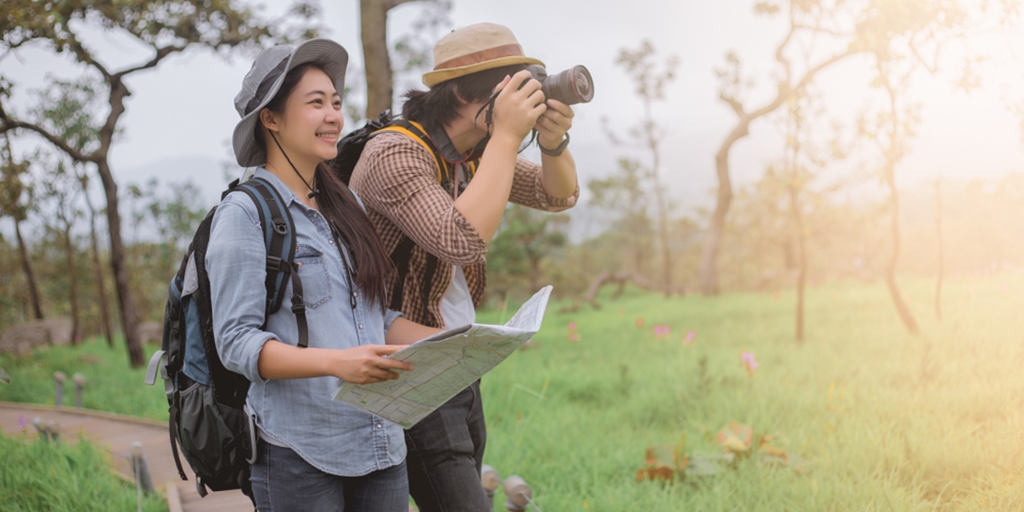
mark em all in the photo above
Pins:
pixel 365 364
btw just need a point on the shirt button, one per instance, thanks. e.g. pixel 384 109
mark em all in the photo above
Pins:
pixel 380 426
pixel 330 242
pixel 360 326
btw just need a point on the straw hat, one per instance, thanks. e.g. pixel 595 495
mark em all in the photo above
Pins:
pixel 263 81
pixel 475 48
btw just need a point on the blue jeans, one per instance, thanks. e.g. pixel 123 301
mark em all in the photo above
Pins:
pixel 282 481
pixel 446 451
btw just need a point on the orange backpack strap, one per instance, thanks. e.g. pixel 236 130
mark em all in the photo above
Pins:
pixel 415 131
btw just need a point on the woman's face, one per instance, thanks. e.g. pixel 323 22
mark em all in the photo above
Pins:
pixel 311 122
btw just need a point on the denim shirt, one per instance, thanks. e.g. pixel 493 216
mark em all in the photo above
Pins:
pixel 300 413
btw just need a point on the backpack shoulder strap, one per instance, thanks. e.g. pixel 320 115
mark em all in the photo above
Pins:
pixel 415 131
pixel 279 239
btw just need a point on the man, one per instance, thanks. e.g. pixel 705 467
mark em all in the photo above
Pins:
pixel 436 192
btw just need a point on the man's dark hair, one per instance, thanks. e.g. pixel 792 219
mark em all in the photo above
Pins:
pixel 438 106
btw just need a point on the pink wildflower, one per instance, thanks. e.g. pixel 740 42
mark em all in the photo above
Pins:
pixel 573 337
pixel 749 362
pixel 639 323
pixel 688 339
pixel 662 331
pixel 572 326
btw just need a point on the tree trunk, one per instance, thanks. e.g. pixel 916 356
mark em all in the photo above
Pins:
pixel 801 280
pixel 534 273
pixel 890 270
pixel 713 241
pixel 373 16
pixel 69 253
pixel 129 322
pixel 941 270
pixel 101 286
pixel 26 266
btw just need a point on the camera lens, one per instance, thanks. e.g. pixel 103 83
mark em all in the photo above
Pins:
pixel 582 80
pixel 571 86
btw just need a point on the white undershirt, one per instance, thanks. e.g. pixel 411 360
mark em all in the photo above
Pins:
pixel 457 304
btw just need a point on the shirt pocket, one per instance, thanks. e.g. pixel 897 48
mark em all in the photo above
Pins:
pixel 312 270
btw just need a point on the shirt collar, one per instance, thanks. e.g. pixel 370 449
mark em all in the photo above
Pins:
pixel 286 193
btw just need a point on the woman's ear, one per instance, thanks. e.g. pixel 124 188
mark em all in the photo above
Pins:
pixel 269 120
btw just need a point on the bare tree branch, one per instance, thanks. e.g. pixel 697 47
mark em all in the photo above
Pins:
pixel 161 53
pixel 7 124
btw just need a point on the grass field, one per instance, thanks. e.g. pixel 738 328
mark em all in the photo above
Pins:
pixel 59 477
pixel 884 420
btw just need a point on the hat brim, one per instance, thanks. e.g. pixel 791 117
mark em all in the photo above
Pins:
pixel 335 61
pixel 432 78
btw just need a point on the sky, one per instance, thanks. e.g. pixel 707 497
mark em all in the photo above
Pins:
pixel 180 116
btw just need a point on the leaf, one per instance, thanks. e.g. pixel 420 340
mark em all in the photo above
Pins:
pixel 735 437
pixel 709 465
pixel 768 451
pixel 661 455
pixel 659 473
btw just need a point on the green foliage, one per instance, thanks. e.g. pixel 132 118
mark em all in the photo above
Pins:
pixel 526 238
pixel 112 385
pixel 624 193
pixel 165 23
pixel 885 421
pixel 37 475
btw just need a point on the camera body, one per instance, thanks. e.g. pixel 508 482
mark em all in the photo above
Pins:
pixel 572 86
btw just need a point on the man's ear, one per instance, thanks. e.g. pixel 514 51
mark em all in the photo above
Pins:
pixel 455 91
pixel 269 120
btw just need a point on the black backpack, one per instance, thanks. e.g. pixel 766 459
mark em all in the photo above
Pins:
pixel 350 148
pixel 209 423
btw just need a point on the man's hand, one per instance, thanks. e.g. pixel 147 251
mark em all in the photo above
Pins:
pixel 365 364
pixel 553 124
pixel 518 106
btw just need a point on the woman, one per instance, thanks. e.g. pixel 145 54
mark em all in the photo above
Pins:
pixel 313 453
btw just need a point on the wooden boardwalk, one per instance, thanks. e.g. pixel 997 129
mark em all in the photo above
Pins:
pixel 116 434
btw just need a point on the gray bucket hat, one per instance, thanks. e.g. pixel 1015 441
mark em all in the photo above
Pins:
pixel 264 80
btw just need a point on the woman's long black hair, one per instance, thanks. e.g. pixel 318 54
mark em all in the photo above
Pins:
pixel 372 267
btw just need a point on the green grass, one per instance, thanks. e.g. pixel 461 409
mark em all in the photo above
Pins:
pixel 57 477
pixel 111 385
pixel 887 421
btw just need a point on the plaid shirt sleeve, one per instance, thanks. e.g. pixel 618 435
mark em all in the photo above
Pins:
pixel 528 190
pixel 399 180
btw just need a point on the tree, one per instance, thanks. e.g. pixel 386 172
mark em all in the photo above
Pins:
pixel 57 201
pixel 624 193
pixel 801 165
pixel 927 28
pixel 650 82
pixel 166 27
pixel 843 29
pixel 68 110
pixel 373 17
pixel 12 191
pixel 525 239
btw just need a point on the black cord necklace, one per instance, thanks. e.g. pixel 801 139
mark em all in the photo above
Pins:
pixel 312 191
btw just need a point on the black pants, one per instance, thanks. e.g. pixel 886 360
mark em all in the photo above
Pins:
pixel 446 451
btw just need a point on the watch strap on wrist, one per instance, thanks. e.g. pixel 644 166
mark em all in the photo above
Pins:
pixel 558 150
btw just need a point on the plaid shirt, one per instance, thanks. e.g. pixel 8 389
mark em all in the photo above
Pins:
pixel 396 178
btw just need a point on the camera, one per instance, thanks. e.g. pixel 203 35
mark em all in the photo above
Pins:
pixel 571 86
